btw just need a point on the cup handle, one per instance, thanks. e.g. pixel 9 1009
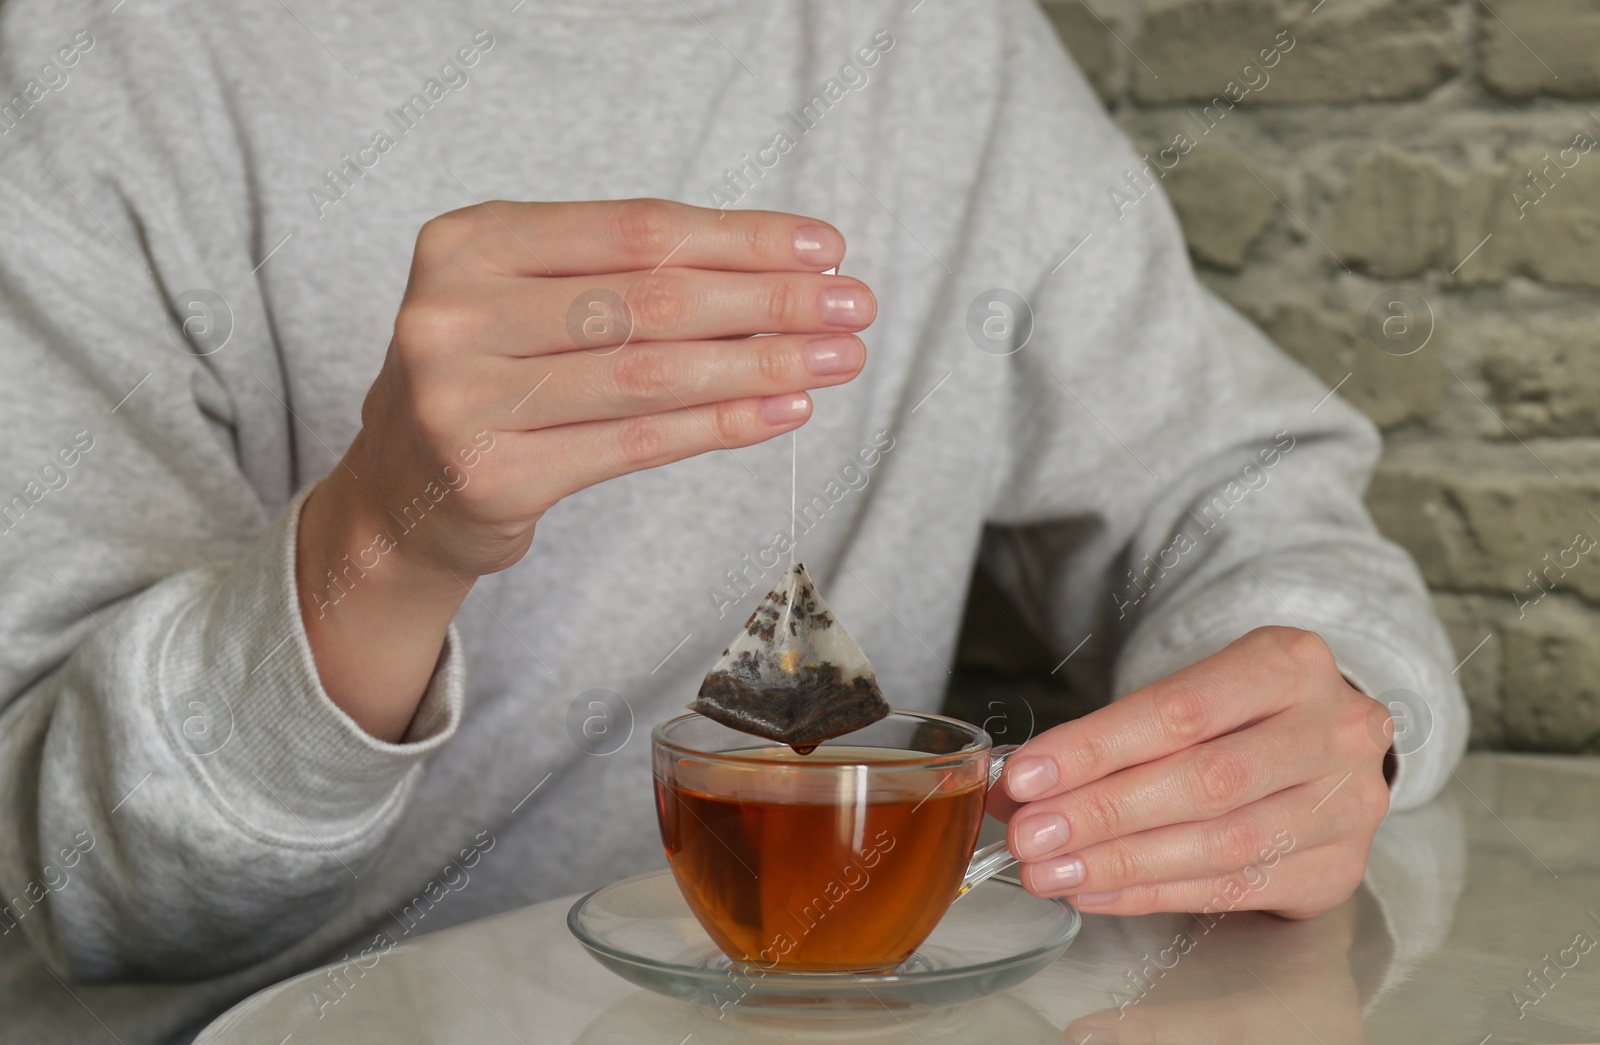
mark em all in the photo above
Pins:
pixel 995 857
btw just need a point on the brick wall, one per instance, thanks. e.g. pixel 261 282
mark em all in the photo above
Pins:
pixel 1435 153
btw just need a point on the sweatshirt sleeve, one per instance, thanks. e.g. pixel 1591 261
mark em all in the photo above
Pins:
pixel 1172 479
pixel 177 792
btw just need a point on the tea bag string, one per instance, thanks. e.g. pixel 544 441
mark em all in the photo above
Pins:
pixel 794 503
pixel 794 490
pixel 794 507
pixel 794 481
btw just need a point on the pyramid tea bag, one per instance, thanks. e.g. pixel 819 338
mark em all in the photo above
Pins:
pixel 792 674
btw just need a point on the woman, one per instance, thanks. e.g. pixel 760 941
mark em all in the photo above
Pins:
pixel 380 549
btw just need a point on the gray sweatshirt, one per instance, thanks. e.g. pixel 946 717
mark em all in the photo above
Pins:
pixel 206 217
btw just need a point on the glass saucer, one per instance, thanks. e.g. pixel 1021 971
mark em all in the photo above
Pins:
pixel 990 940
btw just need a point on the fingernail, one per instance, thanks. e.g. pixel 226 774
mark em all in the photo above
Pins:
pixel 1058 874
pixel 818 245
pixel 1030 778
pixel 1093 899
pixel 832 355
pixel 1038 835
pixel 844 306
pixel 776 410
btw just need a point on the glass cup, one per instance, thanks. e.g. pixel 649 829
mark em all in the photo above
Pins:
pixel 843 859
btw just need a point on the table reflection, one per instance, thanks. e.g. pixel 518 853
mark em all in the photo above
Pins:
pixel 1251 978
pixel 646 1017
pixel 1247 977
pixel 1377 961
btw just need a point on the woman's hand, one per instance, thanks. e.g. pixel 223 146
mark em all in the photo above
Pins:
pixel 542 348
pixel 1252 779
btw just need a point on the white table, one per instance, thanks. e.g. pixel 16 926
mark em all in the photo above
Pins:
pixel 1462 900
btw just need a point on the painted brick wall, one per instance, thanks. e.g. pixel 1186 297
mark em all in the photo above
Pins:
pixel 1442 154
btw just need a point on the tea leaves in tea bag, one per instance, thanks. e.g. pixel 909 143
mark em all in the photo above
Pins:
pixel 792 674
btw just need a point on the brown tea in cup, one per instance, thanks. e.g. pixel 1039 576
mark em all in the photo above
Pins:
pixel 843 859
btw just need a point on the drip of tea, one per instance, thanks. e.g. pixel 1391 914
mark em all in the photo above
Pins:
pixel 833 861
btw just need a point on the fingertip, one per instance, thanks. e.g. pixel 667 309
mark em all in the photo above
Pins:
pixel 1029 778
pixel 1037 884
pixel 785 410
pixel 818 245
pixel 834 355
pixel 851 306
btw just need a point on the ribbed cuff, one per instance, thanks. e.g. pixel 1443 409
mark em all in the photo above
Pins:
pixel 294 766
